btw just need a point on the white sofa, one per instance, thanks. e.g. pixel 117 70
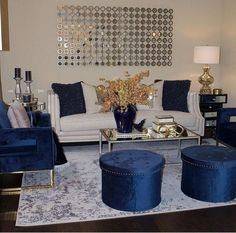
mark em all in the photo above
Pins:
pixel 85 127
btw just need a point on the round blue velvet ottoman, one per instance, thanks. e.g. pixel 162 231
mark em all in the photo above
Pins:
pixel 131 179
pixel 209 173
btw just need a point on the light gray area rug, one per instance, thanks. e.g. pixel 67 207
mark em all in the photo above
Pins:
pixel 76 196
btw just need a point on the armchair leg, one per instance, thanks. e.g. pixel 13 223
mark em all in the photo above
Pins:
pixel 16 190
pixel 52 178
pixel 51 185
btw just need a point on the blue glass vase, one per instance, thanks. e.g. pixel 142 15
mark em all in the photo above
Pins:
pixel 125 119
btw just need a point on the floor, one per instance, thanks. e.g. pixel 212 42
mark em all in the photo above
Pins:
pixel 213 219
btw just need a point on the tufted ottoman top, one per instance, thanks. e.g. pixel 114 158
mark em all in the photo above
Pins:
pixel 131 162
pixel 210 156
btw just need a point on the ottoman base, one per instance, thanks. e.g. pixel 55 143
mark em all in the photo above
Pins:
pixel 131 193
pixel 211 185
pixel 209 173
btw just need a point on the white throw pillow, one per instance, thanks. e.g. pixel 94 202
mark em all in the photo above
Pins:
pixel 157 103
pixel 90 97
pixel 18 116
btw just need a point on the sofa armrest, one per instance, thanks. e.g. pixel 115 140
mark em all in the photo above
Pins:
pixel 194 108
pixel 54 110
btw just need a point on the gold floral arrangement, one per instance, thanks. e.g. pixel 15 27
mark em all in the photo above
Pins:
pixel 124 92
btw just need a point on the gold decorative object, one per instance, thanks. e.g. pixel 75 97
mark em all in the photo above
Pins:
pixel 206 55
pixel 206 79
pixel 169 130
pixel 217 91
pixel 113 134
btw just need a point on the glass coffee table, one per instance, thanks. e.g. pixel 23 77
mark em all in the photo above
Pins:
pixel 111 136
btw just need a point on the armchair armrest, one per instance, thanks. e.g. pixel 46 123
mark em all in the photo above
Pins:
pixel 223 118
pixel 26 149
pixel 224 114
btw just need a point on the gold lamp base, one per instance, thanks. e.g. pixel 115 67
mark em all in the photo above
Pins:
pixel 206 79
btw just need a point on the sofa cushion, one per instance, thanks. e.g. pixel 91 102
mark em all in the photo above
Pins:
pixel 4 121
pixel 91 100
pixel 71 98
pixel 182 118
pixel 157 102
pixel 18 116
pixel 88 121
pixel 83 122
pixel 175 95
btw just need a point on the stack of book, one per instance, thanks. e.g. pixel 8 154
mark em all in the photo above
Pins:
pixel 164 119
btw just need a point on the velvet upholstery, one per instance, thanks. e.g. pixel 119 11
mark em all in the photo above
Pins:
pixel 131 179
pixel 175 94
pixel 209 173
pixel 4 121
pixel 71 98
pixel 225 129
pixel 27 149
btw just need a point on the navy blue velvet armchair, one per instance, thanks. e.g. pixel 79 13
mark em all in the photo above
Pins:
pixel 28 149
pixel 226 126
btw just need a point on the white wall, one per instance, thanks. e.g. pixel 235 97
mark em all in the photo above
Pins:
pixel 33 43
pixel 228 68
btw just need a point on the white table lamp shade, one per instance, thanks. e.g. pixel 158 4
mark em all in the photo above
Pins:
pixel 206 54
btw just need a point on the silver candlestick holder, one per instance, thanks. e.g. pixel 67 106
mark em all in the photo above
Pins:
pixel 18 89
pixel 27 96
pixel 28 88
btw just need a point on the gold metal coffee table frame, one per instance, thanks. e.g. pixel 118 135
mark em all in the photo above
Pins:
pixel 103 136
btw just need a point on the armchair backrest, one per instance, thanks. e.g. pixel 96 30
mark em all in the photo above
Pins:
pixel 223 123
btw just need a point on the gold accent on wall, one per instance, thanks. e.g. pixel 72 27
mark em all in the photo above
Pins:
pixel 0 83
pixel 4 33
pixel 4 27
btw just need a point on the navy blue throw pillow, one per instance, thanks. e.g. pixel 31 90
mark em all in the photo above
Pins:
pixel 175 95
pixel 71 98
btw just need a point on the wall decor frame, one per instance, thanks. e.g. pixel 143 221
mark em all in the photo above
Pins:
pixel 114 36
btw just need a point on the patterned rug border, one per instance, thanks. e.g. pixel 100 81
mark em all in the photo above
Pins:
pixel 130 216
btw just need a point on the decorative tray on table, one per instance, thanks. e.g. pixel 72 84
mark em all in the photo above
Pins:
pixel 113 134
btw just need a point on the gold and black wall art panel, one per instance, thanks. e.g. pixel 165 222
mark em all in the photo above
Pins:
pixel 114 36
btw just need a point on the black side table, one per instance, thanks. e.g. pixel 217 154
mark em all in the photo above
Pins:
pixel 209 103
